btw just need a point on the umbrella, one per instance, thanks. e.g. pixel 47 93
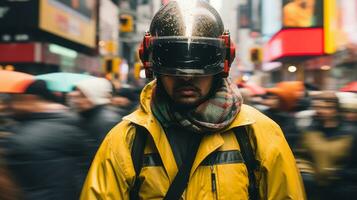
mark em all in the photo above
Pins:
pixel 14 82
pixel 351 87
pixel 62 81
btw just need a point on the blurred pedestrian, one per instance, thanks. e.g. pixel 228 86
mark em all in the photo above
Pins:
pixel 191 137
pixel 346 183
pixel 9 190
pixel 91 99
pixel 326 145
pixel 5 120
pixel 348 108
pixel 277 101
pixel 126 100
pixel 45 151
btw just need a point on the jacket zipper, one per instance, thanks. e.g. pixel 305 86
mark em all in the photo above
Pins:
pixel 213 183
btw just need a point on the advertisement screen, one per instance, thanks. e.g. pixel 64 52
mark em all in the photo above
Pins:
pixel 302 13
pixel 347 13
pixel 74 20
pixel 85 8
pixel 340 24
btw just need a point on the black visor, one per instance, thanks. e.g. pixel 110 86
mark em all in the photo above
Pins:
pixel 182 56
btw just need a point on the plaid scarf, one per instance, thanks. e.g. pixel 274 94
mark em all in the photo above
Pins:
pixel 214 114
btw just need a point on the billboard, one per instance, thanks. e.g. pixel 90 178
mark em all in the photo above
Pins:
pixel 302 13
pixel 340 24
pixel 295 42
pixel 74 20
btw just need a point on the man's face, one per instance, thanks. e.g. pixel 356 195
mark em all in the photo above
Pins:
pixel 187 91
pixel 325 110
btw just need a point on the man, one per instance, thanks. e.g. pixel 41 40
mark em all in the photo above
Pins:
pixel 5 121
pixel 347 174
pixel 282 100
pixel 45 153
pixel 8 188
pixel 327 144
pixel 188 115
pixel 91 100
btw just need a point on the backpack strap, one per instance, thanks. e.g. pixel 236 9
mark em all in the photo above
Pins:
pixel 182 177
pixel 179 183
pixel 137 154
pixel 249 160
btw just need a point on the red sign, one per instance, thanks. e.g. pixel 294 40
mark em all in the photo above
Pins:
pixel 17 52
pixel 295 42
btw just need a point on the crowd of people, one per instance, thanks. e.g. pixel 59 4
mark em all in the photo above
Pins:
pixel 47 144
pixel 320 127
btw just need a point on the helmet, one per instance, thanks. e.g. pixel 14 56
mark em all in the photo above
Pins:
pixel 187 40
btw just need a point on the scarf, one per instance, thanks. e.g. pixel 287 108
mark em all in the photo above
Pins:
pixel 212 115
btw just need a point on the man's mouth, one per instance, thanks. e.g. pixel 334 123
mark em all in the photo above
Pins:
pixel 186 91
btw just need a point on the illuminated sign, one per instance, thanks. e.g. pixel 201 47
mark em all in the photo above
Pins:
pixel 295 42
pixel 307 13
pixel 340 24
pixel 72 20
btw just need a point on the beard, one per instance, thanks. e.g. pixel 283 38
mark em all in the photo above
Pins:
pixel 190 99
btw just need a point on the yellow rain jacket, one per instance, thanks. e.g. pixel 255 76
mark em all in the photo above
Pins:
pixel 112 174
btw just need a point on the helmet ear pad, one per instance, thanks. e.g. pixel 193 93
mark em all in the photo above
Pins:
pixel 230 53
pixel 144 55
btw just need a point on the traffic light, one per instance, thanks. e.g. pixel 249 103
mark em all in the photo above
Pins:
pixel 256 55
pixel 126 23
pixel 111 65
pixel 108 66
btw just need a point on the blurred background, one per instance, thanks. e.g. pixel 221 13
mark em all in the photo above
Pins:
pixel 307 40
pixel 296 62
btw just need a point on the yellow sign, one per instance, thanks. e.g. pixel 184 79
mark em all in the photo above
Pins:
pixel 335 37
pixel 72 20
pixel 126 23
pixel 111 65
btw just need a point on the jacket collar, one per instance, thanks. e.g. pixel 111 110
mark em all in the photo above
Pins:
pixel 144 117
